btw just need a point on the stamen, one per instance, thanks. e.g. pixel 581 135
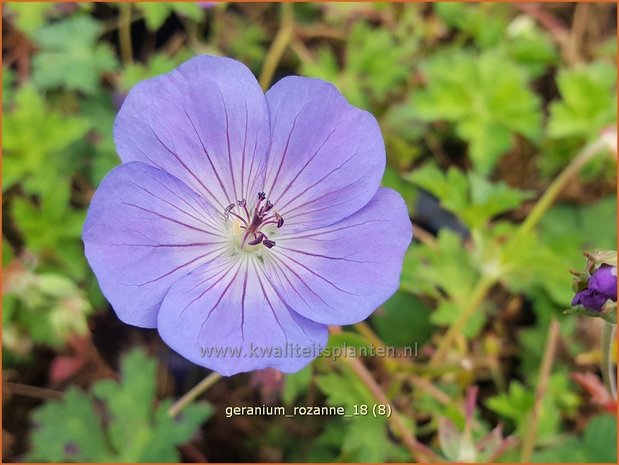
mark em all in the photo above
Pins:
pixel 257 220
pixel 228 210
pixel 280 220
pixel 257 240
pixel 253 223
pixel 268 243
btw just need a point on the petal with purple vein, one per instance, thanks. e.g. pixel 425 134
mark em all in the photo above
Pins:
pixel 341 273
pixel 205 122
pixel 326 158
pixel 229 318
pixel 144 230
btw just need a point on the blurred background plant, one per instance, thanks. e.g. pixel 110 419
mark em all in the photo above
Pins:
pixel 499 122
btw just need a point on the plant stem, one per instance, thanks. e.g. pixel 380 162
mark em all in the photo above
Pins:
pixel 18 389
pixel 477 297
pixel 124 33
pixel 194 393
pixel 557 185
pixel 528 442
pixel 419 452
pixel 536 214
pixel 367 332
pixel 278 47
pixel 610 378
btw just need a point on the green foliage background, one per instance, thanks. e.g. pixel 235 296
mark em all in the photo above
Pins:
pixel 481 106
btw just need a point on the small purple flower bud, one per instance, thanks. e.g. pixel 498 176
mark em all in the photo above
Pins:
pixel 604 281
pixel 589 299
pixel 602 286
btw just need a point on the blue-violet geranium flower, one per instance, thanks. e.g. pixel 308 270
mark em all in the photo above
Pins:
pixel 241 224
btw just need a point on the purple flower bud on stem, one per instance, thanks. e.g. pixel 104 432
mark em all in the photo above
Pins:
pixel 602 287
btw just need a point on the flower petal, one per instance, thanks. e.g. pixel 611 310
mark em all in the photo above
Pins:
pixel 206 123
pixel 144 230
pixel 341 273
pixel 227 317
pixel 326 158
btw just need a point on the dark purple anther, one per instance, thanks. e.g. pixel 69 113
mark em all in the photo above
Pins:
pixel 242 203
pixel 261 196
pixel 268 243
pixel 268 206
pixel 228 210
pixel 257 240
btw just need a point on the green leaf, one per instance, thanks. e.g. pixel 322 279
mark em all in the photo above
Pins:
pixel 529 46
pixel 68 430
pixel 296 384
pixel 70 56
pixel 394 180
pixel 343 389
pixel 365 436
pixel 487 108
pixel 486 23
pixel 30 16
pixel 513 404
pixel 7 252
pixel 99 108
pixel 247 41
pixel 158 64
pixel 34 139
pixel 404 320
pixel 528 263
pixel 447 313
pixel 155 13
pixel 52 229
pixel 582 226
pixel 597 444
pixel 46 308
pixel 473 198
pixel 517 402
pixel 587 101
pixel 599 439
pixel 446 269
pixel 138 431
pixel 376 64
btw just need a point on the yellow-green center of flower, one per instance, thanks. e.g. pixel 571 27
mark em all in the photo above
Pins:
pixel 249 229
